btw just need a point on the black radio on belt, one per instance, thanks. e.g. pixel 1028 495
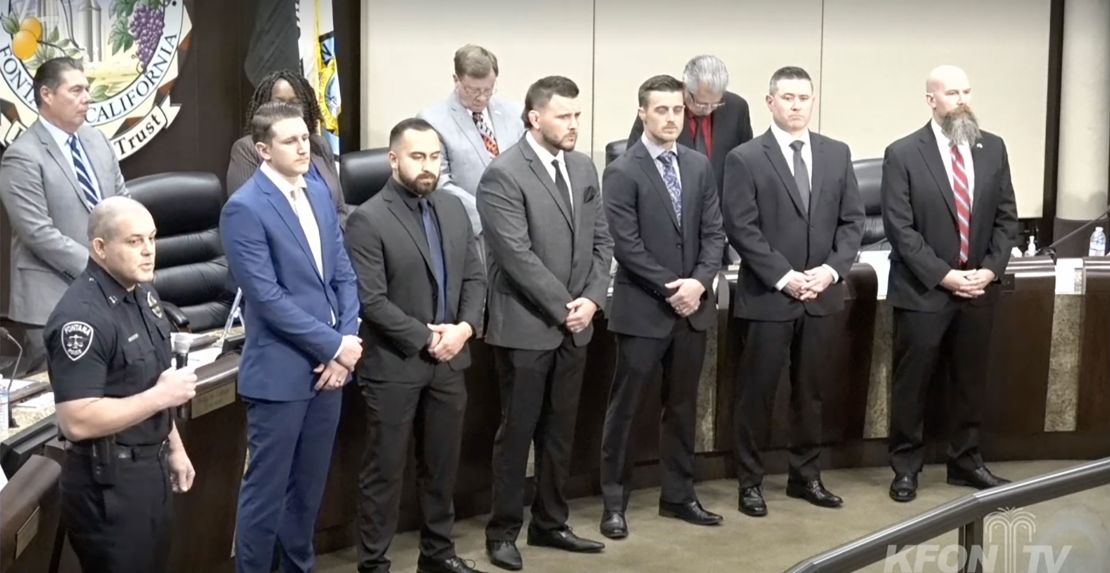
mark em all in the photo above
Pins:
pixel 104 460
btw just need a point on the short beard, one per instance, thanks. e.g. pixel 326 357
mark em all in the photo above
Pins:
pixel 960 126
pixel 422 184
pixel 566 144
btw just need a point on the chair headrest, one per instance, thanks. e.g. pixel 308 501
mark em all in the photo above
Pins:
pixel 615 149
pixel 180 201
pixel 363 173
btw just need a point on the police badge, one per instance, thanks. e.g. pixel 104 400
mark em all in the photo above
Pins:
pixel 153 304
pixel 77 338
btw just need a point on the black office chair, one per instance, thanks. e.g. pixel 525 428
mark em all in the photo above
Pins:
pixel 615 149
pixel 190 269
pixel 363 173
pixel 869 176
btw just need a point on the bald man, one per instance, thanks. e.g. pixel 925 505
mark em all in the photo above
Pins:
pixel 949 213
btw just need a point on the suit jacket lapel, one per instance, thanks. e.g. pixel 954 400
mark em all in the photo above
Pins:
pixel 465 121
pixel 540 171
pixel 325 259
pixel 404 216
pixel 647 164
pixel 817 149
pixel 454 252
pixel 927 145
pixel 62 158
pixel 280 203
pixel 774 155
pixel 500 128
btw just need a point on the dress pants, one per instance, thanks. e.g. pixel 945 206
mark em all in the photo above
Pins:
pixel 433 410
pixel 120 528
pixel 290 446
pixel 539 403
pixel 680 354
pixel 956 340
pixel 768 347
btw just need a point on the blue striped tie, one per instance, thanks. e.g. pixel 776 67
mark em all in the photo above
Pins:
pixel 83 177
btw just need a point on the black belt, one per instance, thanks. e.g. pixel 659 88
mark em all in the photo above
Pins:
pixel 123 452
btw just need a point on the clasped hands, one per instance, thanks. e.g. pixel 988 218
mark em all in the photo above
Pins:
pixel 336 372
pixel 448 339
pixel 968 284
pixel 808 285
pixel 686 297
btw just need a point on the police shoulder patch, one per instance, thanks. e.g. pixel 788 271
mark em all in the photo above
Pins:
pixel 77 338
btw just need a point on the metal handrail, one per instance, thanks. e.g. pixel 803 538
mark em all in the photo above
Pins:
pixel 965 514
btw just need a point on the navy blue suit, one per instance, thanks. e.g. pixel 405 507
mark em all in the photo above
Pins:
pixel 295 321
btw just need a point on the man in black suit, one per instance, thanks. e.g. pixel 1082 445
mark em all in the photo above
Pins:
pixel 715 121
pixel 422 288
pixel 540 207
pixel 950 216
pixel 665 220
pixel 793 212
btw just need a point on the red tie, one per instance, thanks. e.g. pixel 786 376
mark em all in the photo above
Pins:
pixel 963 201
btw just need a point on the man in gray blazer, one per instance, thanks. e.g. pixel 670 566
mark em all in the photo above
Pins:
pixel 474 125
pixel 550 250
pixel 50 179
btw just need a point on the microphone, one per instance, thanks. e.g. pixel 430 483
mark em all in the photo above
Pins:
pixel 1050 249
pixel 15 369
pixel 6 391
pixel 179 343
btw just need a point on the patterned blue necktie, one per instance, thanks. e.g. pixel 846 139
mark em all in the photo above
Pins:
pixel 83 177
pixel 674 185
pixel 435 248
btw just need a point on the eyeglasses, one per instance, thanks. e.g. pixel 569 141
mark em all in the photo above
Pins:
pixel 475 92
pixel 702 105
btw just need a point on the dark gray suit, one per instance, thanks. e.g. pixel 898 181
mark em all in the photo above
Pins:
pixel 401 382
pixel 654 248
pixel 50 222
pixel 774 232
pixel 543 254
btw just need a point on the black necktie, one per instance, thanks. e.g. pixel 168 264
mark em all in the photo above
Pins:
pixel 561 184
pixel 435 247
pixel 801 174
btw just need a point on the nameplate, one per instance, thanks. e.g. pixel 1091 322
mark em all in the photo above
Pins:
pixel 27 531
pixel 212 400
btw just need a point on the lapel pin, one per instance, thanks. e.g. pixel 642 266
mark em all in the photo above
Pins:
pixel 978 146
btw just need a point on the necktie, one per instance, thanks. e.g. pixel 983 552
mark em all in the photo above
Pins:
pixel 486 133
pixel 963 201
pixel 674 185
pixel 303 209
pixel 435 248
pixel 801 174
pixel 84 179
pixel 701 144
pixel 561 185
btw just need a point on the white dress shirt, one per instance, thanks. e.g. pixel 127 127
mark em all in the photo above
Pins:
pixel 62 139
pixel 546 158
pixel 944 145
pixel 295 194
pixel 784 140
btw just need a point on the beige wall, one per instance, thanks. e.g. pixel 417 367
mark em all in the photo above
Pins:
pixel 868 57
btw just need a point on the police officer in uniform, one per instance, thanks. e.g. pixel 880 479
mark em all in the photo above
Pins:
pixel 110 367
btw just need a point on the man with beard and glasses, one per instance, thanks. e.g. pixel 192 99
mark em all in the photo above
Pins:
pixel 949 212
pixel 549 247
pixel 422 288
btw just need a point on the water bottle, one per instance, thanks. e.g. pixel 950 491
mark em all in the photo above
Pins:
pixel 5 407
pixel 1098 243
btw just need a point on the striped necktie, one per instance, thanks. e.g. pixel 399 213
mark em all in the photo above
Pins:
pixel 963 202
pixel 84 178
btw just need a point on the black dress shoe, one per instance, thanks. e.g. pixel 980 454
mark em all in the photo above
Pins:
pixel 450 565
pixel 813 492
pixel 690 512
pixel 980 478
pixel 613 525
pixel 564 539
pixel 504 554
pixel 903 488
pixel 751 501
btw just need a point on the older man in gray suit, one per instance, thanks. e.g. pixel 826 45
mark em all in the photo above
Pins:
pixel 474 125
pixel 50 179
pixel 550 249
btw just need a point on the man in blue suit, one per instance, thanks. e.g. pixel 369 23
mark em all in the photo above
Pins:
pixel 285 250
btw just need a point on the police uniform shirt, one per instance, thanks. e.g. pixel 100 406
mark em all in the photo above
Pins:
pixel 103 341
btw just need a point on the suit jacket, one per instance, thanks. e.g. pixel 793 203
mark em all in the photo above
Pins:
pixel 919 216
pixel 651 246
pixel 397 286
pixel 245 161
pixel 542 253
pixel 732 126
pixel 48 215
pixel 464 155
pixel 295 318
pixel 774 234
